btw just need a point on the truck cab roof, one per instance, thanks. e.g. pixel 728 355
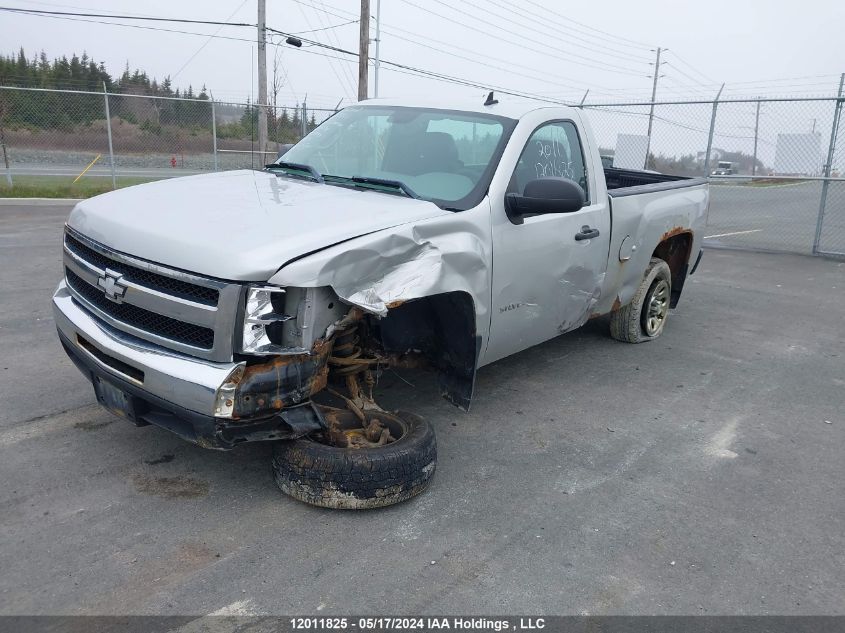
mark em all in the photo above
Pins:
pixel 512 109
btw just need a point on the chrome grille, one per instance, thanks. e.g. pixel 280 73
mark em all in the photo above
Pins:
pixel 175 309
pixel 157 324
pixel 208 296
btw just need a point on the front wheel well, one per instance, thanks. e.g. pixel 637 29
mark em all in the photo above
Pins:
pixel 675 250
pixel 442 329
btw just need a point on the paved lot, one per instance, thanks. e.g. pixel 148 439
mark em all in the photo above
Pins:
pixel 780 217
pixel 695 474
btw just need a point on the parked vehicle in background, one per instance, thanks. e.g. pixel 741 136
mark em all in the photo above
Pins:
pixel 262 305
pixel 724 168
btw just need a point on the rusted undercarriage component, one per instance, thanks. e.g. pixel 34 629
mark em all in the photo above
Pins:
pixel 349 363
pixel 282 382
pixel 281 389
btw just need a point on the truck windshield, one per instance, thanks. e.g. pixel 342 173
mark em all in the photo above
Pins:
pixel 444 156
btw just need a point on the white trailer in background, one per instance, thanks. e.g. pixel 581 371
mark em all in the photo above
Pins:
pixel 798 154
pixel 630 151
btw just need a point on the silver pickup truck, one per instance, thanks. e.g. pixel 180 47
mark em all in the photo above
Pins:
pixel 262 305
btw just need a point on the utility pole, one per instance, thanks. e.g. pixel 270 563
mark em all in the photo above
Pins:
pixel 262 79
pixel 364 51
pixel 377 62
pixel 756 135
pixel 651 110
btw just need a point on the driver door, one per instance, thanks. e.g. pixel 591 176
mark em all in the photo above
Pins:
pixel 546 279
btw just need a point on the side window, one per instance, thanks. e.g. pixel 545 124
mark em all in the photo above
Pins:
pixel 553 150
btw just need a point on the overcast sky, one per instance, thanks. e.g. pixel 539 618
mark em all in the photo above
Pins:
pixel 546 47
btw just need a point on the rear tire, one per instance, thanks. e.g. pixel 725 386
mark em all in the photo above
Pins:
pixel 358 478
pixel 644 318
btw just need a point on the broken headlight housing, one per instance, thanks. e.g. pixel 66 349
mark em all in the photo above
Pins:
pixel 263 320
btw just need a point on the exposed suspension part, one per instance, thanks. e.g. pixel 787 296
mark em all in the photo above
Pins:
pixel 348 361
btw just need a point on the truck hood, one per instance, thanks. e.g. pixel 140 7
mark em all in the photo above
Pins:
pixel 238 225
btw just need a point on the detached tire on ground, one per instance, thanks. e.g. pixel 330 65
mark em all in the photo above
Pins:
pixel 644 318
pixel 311 470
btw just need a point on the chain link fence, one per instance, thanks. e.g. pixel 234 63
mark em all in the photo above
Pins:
pixel 776 166
pixel 125 139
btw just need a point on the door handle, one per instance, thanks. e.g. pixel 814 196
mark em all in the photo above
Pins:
pixel 586 234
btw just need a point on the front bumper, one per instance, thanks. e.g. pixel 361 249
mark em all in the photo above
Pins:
pixel 175 392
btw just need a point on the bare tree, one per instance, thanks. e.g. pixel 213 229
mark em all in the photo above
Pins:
pixel 280 78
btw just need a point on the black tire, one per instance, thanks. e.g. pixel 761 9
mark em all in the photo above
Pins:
pixel 628 324
pixel 358 478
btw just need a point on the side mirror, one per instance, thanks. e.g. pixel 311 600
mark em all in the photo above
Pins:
pixel 545 195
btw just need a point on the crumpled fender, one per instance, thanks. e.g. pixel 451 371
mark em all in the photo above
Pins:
pixel 411 261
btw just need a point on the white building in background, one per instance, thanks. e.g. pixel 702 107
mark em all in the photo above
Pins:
pixel 630 151
pixel 798 154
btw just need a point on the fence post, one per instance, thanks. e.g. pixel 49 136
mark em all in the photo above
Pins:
pixel 5 155
pixel 214 133
pixel 828 166
pixel 712 130
pixel 108 129
pixel 303 122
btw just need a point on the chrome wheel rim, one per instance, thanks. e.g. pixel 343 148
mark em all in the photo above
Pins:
pixel 656 308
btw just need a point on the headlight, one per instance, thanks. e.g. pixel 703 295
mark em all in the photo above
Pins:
pixel 263 320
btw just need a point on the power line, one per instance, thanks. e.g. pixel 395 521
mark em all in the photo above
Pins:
pixel 347 82
pixel 334 39
pixel 546 53
pixel 570 33
pixel 408 69
pixel 629 42
pixel 206 43
pixel 122 17
pixel 411 69
pixel 326 28
pixel 543 26
pixel 137 26
pixel 694 69
pixel 489 65
pixel 429 73
pixel 392 29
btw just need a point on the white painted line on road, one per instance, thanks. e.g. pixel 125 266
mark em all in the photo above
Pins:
pixel 239 607
pixel 707 237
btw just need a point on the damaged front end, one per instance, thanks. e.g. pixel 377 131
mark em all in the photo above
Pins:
pixel 274 399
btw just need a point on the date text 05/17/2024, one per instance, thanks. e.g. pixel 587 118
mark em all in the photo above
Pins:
pixel 386 623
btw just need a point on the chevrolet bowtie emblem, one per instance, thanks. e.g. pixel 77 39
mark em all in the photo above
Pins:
pixel 110 283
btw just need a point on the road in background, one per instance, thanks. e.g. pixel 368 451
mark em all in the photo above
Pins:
pixel 700 473
pixel 780 216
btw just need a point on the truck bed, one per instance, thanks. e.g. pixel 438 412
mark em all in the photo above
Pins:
pixel 628 182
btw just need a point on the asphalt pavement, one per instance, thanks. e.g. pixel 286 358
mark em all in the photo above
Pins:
pixel 697 474
pixel 781 216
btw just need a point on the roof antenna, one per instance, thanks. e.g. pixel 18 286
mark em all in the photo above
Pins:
pixel 490 100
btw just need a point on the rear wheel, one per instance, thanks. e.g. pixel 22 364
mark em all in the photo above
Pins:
pixel 644 318
pixel 358 464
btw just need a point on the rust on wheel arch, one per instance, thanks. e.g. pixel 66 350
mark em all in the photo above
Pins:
pixel 678 230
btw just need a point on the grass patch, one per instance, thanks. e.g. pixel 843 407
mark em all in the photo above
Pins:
pixel 62 186
pixel 774 182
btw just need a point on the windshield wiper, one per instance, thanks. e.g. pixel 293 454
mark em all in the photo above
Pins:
pixel 374 184
pixel 298 169
pixel 384 182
